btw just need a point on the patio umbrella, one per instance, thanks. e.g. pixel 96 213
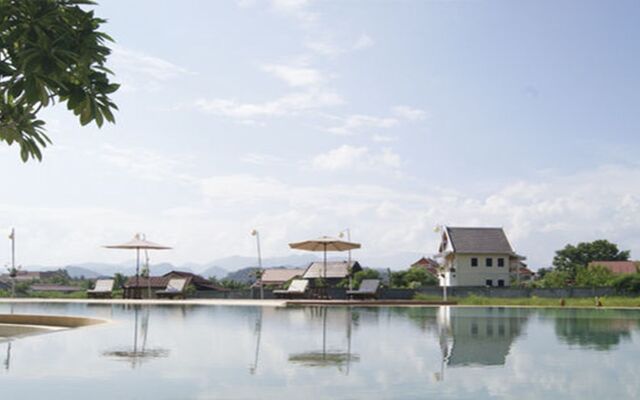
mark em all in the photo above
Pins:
pixel 324 244
pixel 139 242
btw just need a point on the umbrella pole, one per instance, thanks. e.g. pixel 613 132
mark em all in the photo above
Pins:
pixel 137 273
pixel 325 262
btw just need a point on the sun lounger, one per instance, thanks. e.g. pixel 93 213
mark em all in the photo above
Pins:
pixel 103 289
pixel 175 289
pixel 368 288
pixel 298 287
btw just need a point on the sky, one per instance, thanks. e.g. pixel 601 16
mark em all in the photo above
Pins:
pixel 304 118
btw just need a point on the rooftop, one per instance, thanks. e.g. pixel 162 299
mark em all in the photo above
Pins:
pixel 479 240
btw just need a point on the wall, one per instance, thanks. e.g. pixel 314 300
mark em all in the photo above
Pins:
pixel 466 275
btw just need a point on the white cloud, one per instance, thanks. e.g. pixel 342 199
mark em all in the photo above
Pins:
pixel 260 159
pixel 409 113
pixel 342 157
pixel 354 158
pixel 290 104
pixel 353 123
pixel 146 164
pixel 364 41
pixel 383 138
pixel 295 76
pixel 296 9
pixel 136 70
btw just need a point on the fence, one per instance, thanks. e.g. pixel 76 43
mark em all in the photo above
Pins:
pixel 435 291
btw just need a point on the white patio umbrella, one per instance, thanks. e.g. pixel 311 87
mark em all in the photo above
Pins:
pixel 139 242
pixel 324 244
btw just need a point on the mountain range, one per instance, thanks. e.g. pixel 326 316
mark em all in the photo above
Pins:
pixel 223 267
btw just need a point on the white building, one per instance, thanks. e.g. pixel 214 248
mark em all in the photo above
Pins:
pixel 476 257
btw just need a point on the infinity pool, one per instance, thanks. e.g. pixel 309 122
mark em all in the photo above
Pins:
pixel 213 352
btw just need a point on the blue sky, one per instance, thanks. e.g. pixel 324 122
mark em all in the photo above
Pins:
pixel 301 118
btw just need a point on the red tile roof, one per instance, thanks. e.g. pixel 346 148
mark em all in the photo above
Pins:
pixel 617 267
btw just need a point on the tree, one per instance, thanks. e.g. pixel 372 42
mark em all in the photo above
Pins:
pixel 554 279
pixel 594 275
pixel 413 278
pixel 50 51
pixel 571 258
pixel 366 273
pixel 119 280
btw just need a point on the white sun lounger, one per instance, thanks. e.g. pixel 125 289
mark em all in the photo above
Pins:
pixel 103 288
pixel 298 287
pixel 175 288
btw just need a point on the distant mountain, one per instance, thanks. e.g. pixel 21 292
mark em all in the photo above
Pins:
pixel 228 266
pixel 244 275
pixel 79 272
pixel 215 271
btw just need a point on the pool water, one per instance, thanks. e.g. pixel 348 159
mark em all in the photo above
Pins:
pixel 213 352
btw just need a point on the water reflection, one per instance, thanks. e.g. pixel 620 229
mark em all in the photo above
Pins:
pixel 7 359
pixel 139 353
pixel 341 320
pixel 593 329
pixel 253 352
pixel 258 333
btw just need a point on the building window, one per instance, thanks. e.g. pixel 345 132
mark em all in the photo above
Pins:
pixel 489 282
pixel 500 262
pixel 474 261
pixel 488 262
pixel 474 329
pixel 500 282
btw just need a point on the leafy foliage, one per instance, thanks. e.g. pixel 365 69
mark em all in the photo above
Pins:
pixel 366 273
pixel 413 278
pixel 50 50
pixel 555 279
pixel 629 283
pixel 594 275
pixel 571 258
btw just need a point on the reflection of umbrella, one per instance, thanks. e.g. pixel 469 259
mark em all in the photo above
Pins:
pixel 137 243
pixel 138 354
pixel 328 358
pixel 324 244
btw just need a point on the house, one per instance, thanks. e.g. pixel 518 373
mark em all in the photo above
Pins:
pixel 276 277
pixel 148 286
pixel 335 271
pixel 522 273
pixel 617 267
pixel 472 256
pixel 428 264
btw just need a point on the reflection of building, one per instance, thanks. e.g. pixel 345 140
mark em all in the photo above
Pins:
pixel 480 336
pixel 476 257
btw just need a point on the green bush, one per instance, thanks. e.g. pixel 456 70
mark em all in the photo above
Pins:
pixel 412 278
pixel 629 283
pixel 594 275
pixel 358 277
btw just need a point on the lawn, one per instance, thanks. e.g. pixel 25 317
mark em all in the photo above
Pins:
pixel 615 301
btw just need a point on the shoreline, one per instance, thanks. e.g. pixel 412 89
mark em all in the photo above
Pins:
pixel 306 302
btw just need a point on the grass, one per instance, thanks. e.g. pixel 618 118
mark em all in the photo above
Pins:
pixel 472 300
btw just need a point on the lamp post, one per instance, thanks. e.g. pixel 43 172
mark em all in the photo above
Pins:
pixel 260 270
pixel 341 235
pixel 13 271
